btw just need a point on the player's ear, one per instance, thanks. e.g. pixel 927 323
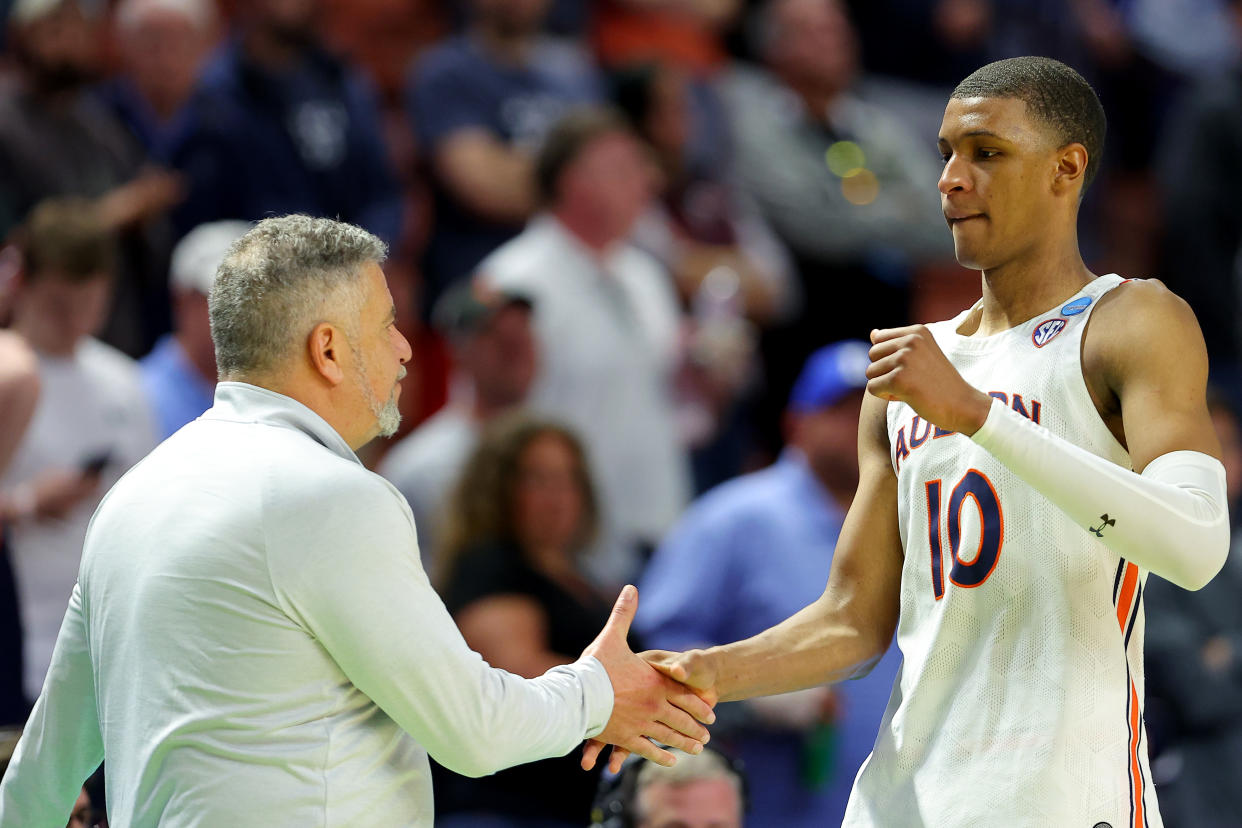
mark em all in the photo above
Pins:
pixel 325 347
pixel 1071 167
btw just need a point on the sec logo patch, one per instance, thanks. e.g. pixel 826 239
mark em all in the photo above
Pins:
pixel 1047 330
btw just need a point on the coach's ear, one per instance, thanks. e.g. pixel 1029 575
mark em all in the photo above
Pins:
pixel 326 348
pixel 1071 168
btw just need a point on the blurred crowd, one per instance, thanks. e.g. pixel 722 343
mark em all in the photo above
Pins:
pixel 637 245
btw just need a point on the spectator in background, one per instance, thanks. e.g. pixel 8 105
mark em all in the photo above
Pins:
pixel 19 393
pixel 687 34
pixel 753 552
pixel 494 352
pixel 179 375
pixel 162 46
pixel 607 324
pixel 700 791
pixel 732 271
pixel 700 221
pixel 481 104
pixel 57 139
pixel 520 517
pixel 1201 173
pixel 1194 666
pixel 92 422
pixel 278 125
pixel 844 182
pixel 82 816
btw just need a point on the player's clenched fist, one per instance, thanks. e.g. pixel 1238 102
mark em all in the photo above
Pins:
pixel 908 366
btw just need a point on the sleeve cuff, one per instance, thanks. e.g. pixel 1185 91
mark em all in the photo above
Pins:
pixel 597 695
pixel 993 426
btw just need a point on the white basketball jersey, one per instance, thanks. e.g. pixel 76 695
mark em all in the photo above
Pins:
pixel 1019 702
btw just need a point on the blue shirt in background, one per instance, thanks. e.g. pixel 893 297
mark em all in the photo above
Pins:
pixel 746 556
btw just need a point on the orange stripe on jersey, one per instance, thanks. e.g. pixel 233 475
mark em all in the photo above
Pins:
pixel 1126 602
pixel 1128 586
pixel 1136 770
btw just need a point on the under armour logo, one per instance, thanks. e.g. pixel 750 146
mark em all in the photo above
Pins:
pixel 1105 523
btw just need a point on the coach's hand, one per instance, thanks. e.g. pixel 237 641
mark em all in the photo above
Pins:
pixel 646 704
pixel 908 366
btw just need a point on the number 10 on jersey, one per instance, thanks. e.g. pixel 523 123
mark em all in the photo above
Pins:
pixel 965 571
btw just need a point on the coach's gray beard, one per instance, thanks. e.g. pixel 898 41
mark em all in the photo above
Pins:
pixel 387 415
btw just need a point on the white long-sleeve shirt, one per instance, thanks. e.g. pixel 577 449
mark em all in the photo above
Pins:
pixel 253 641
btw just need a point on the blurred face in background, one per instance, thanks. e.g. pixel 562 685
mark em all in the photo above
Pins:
pixel 701 803
pixel 813 44
pixel 56 311
pixel 501 357
pixel 162 49
pixel 609 183
pixel 548 501
pixel 81 816
pixel 667 124
pixel 829 438
pixel 511 17
pixel 292 22
pixel 60 50
pixel 193 324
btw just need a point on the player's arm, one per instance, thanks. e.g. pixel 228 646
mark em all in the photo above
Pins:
pixel 1169 516
pixel 61 744
pixel 847 629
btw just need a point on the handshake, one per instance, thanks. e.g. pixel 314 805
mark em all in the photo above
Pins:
pixel 661 696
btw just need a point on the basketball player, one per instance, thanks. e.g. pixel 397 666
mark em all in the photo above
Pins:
pixel 1024 467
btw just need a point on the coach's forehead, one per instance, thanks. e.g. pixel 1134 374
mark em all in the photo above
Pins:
pixel 1007 118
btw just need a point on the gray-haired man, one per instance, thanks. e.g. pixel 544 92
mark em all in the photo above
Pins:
pixel 252 640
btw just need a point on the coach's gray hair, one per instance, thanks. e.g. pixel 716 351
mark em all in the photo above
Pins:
pixel 690 767
pixel 280 280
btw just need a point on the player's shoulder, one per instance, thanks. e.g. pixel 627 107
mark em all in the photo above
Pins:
pixel 1143 310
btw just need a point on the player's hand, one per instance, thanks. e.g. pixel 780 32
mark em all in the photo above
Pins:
pixel 908 366
pixel 646 704
pixel 694 669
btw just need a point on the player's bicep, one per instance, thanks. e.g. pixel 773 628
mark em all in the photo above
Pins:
pixel 865 581
pixel 1159 373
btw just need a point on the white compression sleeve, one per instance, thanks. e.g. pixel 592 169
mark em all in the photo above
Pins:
pixel 1172 520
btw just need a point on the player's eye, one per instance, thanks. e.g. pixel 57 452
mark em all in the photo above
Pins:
pixel 987 153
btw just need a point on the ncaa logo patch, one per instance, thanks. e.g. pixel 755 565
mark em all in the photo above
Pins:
pixel 1047 330
pixel 1076 307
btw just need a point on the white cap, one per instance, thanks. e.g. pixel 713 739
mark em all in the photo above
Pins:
pixel 197 257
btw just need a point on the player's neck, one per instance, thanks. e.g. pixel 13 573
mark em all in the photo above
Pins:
pixel 1019 290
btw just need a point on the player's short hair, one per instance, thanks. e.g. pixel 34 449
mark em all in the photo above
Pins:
pixel 1053 93
pixel 566 141
pixel 68 237
pixel 281 279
